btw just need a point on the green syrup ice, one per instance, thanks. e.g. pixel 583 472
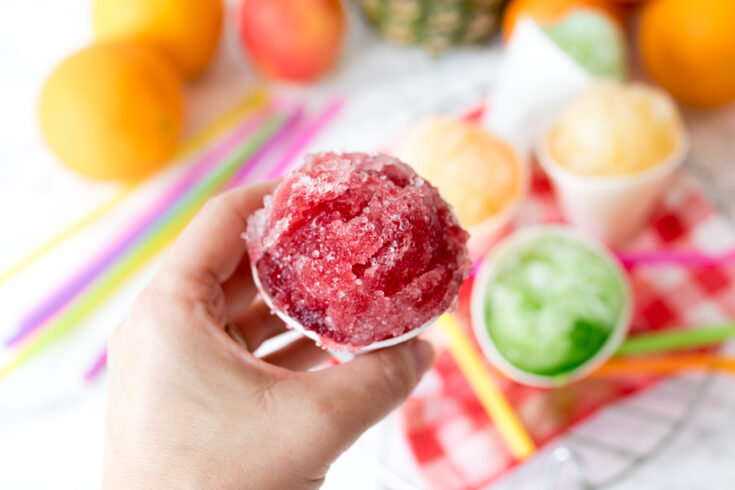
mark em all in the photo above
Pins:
pixel 594 41
pixel 552 305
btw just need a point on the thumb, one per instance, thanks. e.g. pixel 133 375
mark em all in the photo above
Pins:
pixel 356 395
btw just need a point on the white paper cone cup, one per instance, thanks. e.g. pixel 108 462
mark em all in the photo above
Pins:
pixel 536 81
pixel 342 354
pixel 611 208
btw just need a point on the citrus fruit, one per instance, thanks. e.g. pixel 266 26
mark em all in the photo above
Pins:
pixel 185 30
pixel 112 111
pixel 688 46
pixel 550 11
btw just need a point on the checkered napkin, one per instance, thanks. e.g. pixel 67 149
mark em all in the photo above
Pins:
pixel 452 439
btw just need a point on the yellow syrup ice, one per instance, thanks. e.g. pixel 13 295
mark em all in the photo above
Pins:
pixel 616 129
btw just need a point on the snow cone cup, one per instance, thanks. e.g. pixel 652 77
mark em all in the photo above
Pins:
pixel 611 208
pixel 581 306
pixel 536 80
pixel 610 154
pixel 357 252
pixel 342 354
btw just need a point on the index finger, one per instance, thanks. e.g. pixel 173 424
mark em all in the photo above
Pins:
pixel 211 246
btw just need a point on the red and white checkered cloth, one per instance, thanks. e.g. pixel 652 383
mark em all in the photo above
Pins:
pixel 452 439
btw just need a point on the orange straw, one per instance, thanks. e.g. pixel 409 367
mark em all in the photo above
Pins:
pixel 662 365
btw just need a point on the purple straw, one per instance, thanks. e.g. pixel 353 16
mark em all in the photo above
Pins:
pixel 237 179
pixel 69 289
pixel 305 135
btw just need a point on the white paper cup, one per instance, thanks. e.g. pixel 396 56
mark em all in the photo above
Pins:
pixel 611 208
pixel 536 81
pixel 342 353
pixel 489 269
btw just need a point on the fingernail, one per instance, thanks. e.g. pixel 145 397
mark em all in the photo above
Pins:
pixel 423 354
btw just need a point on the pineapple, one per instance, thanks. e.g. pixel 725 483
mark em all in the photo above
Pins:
pixel 436 24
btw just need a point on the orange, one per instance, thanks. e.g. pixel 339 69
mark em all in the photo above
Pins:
pixel 112 111
pixel 185 30
pixel 550 11
pixel 688 46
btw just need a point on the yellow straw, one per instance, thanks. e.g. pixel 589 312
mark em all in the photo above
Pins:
pixel 198 141
pixel 109 284
pixel 492 399
pixel 139 256
pixel 67 233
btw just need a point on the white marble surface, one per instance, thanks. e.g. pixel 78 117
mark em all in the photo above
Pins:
pixel 51 425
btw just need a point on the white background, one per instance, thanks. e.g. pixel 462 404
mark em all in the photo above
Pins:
pixel 51 424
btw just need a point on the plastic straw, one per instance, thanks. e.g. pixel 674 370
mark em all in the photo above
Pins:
pixel 663 365
pixel 165 233
pixel 678 339
pixel 304 137
pixel 490 396
pixel 196 143
pixel 288 127
pixel 52 303
pixel 664 257
pixel 97 367
pixel 67 233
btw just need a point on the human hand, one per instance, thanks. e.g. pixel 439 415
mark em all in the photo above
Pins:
pixel 191 408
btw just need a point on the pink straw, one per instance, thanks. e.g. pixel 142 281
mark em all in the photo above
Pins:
pixel 666 257
pixel 292 122
pixel 248 166
pixel 97 367
pixel 70 288
pixel 304 137
pixel 476 267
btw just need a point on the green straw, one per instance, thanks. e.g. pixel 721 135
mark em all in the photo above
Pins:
pixel 677 339
pixel 175 221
